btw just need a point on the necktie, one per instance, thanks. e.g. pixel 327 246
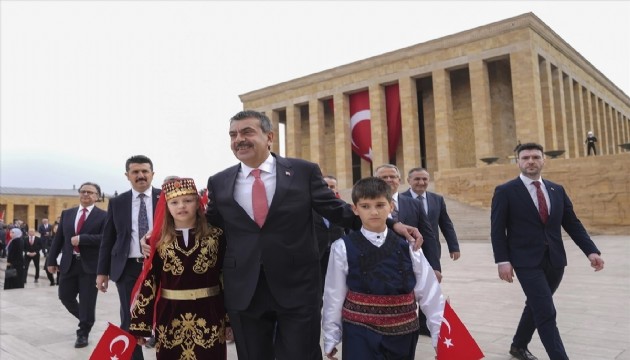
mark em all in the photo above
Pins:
pixel 79 226
pixel 143 218
pixel 31 241
pixel 542 203
pixel 423 200
pixel 259 199
pixel 395 211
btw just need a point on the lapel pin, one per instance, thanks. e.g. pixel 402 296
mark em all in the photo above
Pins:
pixel 287 173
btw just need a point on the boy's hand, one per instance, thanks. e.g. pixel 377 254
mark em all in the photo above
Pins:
pixel 331 355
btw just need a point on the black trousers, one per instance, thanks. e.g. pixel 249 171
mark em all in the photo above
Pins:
pixel 539 284
pixel 77 282
pixel 125 286
pixel 267 331
pixel 27 263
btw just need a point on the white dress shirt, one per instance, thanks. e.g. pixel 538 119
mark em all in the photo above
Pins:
pixel 245 180
pixel 134 244
pixel 529 183
pixel 427 290
pixel 422 197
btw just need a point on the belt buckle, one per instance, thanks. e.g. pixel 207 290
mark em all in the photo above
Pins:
pixel 77 256
pixel 139 260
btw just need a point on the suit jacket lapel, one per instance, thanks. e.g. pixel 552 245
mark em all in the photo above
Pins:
pixel 155 197
pixel 432 203
pixel 284 178
pixel 554 198
pixel 526 198
pixel 72 218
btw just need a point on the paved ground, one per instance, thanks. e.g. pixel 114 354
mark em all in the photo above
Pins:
pixel 593 309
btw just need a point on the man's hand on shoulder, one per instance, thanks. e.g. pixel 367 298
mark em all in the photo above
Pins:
pixel 410 233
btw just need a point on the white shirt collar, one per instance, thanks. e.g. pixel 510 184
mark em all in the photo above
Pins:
pixel 148 192
pixel 267 166
pixel 374 237
pixel 527 181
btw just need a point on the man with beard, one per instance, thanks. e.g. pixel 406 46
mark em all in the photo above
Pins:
pixel 129 218
pixel 526 219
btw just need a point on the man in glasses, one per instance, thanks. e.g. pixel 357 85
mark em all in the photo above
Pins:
pixel 79 238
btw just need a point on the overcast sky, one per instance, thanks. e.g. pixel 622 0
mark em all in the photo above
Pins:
pixel 86 84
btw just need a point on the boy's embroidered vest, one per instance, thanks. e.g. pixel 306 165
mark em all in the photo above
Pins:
pixel 380 285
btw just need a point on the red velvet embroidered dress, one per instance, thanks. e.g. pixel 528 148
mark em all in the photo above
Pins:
pixel 191 328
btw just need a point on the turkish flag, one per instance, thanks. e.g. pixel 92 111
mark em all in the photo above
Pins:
pixel 360 124
pixel 115 344
pixel 455 342
pixel 204 199
pixel 394 123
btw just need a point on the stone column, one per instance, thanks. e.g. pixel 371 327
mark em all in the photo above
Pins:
pixel 316 132
pixel 30 215
pixel 378 125
pixel 550 141
pixel 275 122
pixel 481 110
pixel 571 136
pixel 343 147
pixel 560 112
pixel 600 127
pixel 444 132
pixel 581 114
pixel 294 132
pixel 410 157
pixel 528 114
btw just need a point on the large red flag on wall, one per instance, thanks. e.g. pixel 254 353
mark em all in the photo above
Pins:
pixel 360 124
pixel 455 342
pixel 394 127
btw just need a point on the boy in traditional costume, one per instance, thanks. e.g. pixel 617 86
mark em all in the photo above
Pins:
pixel 374 284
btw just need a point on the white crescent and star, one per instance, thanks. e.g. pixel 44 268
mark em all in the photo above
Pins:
pixel 448 342
pixel 118 338
pixel 355 119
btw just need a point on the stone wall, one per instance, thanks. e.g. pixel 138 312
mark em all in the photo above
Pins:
pixel 599 187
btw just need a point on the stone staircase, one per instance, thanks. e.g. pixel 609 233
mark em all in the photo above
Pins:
pixel 471 223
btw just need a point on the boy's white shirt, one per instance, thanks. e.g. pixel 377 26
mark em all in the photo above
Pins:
pixel 427 290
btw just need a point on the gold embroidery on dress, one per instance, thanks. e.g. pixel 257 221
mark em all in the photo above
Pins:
pixel 187 332
pixel 171 262
pixel 141 302
pixel 206 258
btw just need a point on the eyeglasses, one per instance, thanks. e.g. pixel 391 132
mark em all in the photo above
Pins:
pixel 86 192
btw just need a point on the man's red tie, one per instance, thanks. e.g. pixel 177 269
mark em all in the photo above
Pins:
pixel 79 226
pixel 542 203
pixel 259 199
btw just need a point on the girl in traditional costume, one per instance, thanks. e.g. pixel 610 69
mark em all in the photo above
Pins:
pixel 179 293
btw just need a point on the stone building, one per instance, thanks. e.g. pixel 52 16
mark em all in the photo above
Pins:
pixel 463 98
pixel 31 205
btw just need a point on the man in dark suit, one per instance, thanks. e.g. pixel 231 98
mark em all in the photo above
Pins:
pixel 78 239
pixel 45 232
pixel 32 247
pixel 129 217
pixel 409 211
pixel 435 208
pixel 271 266
pixel 527 216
